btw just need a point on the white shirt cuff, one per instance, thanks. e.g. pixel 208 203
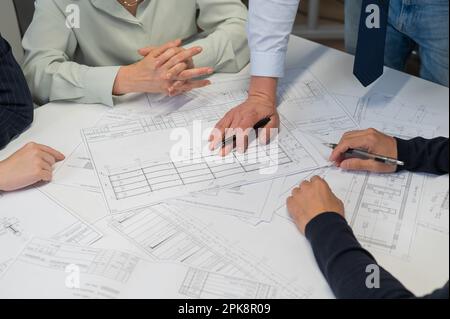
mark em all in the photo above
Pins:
pixel 268 64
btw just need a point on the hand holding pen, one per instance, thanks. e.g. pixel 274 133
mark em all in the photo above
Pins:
pixel 241 119
pixel 366 150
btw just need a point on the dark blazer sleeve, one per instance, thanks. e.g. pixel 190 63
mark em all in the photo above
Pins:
pixel 16 104
pixel 347 266
pixel 426 156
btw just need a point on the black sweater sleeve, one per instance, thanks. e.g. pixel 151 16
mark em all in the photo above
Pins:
pixel 347 266
pixel 426 156
pixel 16 104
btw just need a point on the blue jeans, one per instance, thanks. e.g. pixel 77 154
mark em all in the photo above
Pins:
pixel 413 25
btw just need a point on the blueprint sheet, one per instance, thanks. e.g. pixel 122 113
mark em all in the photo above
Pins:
pixel 143 173
pixel 209 244
pixel 30 213
pixel 103 273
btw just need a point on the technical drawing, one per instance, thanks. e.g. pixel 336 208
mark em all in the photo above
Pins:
pixel 104 273
pixel 166 235
pixel 77 171
pixel 103 263
pixel 140 175
pixel 381 209
pixel 4 265
pixel 395 118
pixel 202 284
pixel 389 107
pixel 386 212
pixel 10 225
pixel 18 225
pixel 201 169
pixel 241 201
pixel 434 208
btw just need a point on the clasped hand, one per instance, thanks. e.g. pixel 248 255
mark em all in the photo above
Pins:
pixel 168 69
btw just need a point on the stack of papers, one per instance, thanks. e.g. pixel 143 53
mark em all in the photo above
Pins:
pixel 128 217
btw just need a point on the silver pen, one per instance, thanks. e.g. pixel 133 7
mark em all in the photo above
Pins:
pixel 366 155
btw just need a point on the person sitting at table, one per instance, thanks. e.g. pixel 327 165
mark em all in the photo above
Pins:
pixel 320 215
pixel 89 51
pixel 33 163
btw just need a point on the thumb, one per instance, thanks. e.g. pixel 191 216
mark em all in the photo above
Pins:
pixel 356 164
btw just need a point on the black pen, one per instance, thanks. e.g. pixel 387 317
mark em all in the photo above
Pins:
pixel 367 155
pixel 259 125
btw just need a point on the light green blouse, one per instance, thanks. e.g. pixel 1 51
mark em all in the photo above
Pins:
pixel 81 64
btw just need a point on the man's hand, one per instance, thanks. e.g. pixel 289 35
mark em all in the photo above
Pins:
pixel 371 141
pixel 261 104
pixel 312 199
pixel 31 164
pixel 168 69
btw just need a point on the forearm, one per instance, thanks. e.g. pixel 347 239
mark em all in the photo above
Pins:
pixel 225 46
pixel 344 262
pixel 51 80
pixel 422 155
pixel 225 50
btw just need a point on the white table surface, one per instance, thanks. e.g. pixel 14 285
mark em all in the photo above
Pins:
pixel 58 125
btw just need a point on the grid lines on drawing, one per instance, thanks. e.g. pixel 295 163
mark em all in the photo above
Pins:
pixel 201 169
pixel 203 284
pixel 151 124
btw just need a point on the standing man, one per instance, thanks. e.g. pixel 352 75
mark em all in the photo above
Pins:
pixel 420 25
pixel 410 22
pixel 33 163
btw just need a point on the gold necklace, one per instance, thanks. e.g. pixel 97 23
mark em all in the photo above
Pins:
pixel 129 3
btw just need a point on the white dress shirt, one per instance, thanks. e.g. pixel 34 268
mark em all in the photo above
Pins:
pixel 270 24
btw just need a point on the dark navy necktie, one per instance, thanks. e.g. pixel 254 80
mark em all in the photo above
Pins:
pixel 369 58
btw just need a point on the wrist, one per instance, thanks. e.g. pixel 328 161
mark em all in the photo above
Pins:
pixel 315 227
pixel 123 83
pixel 394 147
pixel 264 89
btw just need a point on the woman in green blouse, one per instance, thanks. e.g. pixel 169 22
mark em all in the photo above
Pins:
pixel 130 46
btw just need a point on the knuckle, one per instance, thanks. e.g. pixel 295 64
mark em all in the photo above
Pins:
pixel 36 173
pixel 35 153
pixel 31 145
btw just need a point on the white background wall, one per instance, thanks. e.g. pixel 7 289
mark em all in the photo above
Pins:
pixel 9 28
